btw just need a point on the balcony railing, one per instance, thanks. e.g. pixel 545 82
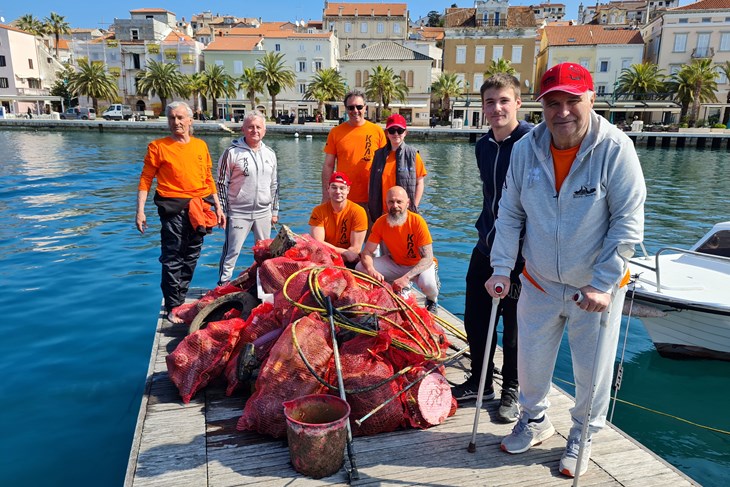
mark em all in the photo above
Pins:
pixel 703 52
pixel 491 23
pixel 33 92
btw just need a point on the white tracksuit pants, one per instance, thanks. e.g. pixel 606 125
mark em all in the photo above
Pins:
pixel 542 317
pixel 426 281
pixel 237 229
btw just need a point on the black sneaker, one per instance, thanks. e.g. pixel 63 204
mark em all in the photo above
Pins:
pixel 509 407
pixel 432 306
pixel 468 390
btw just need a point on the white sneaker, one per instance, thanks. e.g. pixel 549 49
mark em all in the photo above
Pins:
pixel 569 460
pixel 527 434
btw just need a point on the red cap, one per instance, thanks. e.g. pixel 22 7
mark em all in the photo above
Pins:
pixel 567 77
pixel 395 120
pixel 341 178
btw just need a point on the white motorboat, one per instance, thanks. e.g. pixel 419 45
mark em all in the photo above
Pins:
pixel 683 297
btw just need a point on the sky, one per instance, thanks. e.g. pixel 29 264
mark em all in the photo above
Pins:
pixel 95 14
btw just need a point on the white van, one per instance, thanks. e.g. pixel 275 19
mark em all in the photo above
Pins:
pixel 117 112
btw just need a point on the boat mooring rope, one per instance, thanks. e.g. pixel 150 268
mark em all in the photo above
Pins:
pixel 661 413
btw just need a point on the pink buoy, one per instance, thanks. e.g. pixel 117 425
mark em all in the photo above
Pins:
pixel 316 433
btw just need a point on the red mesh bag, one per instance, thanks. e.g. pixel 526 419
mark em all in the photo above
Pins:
pixel 260 322
pixel 364 365
pixel 261 250
pixel 284 376
pixel 429 402
pixel 274 272
pixel 307 248
pixel 202 355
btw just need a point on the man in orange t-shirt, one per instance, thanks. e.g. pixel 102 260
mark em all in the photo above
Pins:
pixel 182 166
pixel 410 250
pixel 350 147
pixel 339 223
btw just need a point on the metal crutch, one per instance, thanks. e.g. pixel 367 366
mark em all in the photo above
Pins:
pixel 596 365
pixel 483 377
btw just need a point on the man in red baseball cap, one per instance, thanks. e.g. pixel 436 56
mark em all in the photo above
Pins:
pixel 339 223
pixel 574 195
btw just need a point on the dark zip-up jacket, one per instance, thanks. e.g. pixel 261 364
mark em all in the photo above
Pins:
pixel 493 162
pixel 405 177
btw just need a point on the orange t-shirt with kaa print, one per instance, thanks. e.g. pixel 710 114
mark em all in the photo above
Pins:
pixel 402 241
pixel 354 148
pixel 338 226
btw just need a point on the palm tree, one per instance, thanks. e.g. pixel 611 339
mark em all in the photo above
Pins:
pixel 192 87
pixel 161 79
pixel 695 83
pixel 30 24
pixel 94 81
pixel 251 83
pixel 384 85
pixel 56 24
pixel 447 86
pixel 216 83
pixel 641 81
pixel 725 68
pixel 275 75
pixel 501 65
pixel 326 85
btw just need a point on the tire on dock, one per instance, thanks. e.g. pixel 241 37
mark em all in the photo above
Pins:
pixel 242 301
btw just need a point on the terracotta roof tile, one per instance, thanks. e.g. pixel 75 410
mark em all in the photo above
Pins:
pixel 150 10
pixel 396 9
pixel 234 43
pixel 705 5
pixel 586 35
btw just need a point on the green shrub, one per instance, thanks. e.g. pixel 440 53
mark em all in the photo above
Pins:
pixel 719 126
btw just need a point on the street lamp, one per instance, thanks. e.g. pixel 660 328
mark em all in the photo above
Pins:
pixel 466 106
pixel 225 88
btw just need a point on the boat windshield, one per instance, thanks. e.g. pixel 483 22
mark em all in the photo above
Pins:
pixel 717 244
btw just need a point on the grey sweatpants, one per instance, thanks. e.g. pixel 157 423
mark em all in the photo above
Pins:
pixel 542 317
pixel 237 229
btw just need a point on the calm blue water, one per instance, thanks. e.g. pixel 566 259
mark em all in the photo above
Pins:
pixel 80 296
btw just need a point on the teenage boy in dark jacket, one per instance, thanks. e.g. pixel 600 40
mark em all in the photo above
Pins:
pixel 500 101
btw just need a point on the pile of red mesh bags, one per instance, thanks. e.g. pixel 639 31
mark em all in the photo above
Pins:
pixel 384 336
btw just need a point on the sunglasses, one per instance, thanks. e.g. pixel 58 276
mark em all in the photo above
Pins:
pixel 396 130
pixel 352 108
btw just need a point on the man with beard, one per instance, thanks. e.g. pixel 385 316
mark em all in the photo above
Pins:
pixel 410 251
pixel 339 223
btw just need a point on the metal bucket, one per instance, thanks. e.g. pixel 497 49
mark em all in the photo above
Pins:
pixel 317 433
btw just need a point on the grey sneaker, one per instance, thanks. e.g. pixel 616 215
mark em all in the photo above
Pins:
pixel 432 306
pixel 569 460
pixel 509 407
pixel 526 434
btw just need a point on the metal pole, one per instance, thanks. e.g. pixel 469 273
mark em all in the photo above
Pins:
pixel 483 377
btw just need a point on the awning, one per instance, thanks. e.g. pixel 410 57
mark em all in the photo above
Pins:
pixel 31 98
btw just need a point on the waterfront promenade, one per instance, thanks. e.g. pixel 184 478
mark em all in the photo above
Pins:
pixel 700 139
pixel 198 444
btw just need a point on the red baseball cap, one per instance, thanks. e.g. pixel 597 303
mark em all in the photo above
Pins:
pixel 567 77
pixel 395 120
pixel 341 178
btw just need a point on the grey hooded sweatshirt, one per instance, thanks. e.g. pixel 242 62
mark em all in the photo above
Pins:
pixel 248 181
pixel 585 233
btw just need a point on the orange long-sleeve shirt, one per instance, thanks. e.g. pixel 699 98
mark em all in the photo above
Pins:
pixel 182 170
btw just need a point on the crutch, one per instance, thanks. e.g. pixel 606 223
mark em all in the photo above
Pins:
pixel 483 377
pixel 353 473
pixel 596 365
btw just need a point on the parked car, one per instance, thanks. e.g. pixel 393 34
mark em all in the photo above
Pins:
pixel 82 113
pixel 118 112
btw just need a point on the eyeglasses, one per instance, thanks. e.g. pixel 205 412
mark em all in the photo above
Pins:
pixel 352 108
pixel 396 130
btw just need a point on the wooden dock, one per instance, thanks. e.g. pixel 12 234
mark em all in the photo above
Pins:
pixel 197 444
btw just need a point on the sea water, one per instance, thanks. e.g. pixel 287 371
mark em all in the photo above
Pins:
pixel 80 296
